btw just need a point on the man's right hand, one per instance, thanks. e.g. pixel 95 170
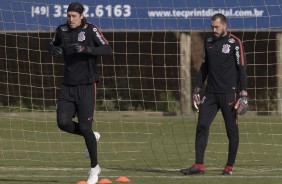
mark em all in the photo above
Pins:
pixel 56 51
pixel 196 98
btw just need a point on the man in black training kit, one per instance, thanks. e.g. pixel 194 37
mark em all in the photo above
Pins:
pixel 80 43
pixel 224 65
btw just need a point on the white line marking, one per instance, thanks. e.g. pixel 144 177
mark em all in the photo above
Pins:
pixel 22 168
pixel 155 176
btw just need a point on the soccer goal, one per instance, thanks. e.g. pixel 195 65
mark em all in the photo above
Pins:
pixel 143 109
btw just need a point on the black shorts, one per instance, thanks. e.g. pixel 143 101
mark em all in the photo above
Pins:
pixel 77 100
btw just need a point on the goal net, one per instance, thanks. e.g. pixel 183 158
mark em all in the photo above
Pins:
pixel 143 109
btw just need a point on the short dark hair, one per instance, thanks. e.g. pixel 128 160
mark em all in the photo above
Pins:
pixel 220 16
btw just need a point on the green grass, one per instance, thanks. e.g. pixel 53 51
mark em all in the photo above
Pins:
pixel 145 148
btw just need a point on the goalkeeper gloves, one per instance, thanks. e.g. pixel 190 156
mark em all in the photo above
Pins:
pixel 56 51
pixel 196 98
pixel 242 104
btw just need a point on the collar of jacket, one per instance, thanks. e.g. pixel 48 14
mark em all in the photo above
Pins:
pixel 81 26
pixel 223 37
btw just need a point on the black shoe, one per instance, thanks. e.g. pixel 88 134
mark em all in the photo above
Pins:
pixel 195 169
pixel 227 170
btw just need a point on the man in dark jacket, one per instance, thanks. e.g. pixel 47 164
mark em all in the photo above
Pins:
pixel 224 65
pixel 80 43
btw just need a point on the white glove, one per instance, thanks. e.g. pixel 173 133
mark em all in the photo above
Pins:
pixel 196 98
pixel 242 103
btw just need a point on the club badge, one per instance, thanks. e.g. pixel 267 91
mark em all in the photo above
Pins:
pixel 81 36
pixel 226 48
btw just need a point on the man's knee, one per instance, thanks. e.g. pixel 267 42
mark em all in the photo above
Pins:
pixel 233 137
pixel 202 130
pixel 202 126
pixel 85 127
pixel 63 121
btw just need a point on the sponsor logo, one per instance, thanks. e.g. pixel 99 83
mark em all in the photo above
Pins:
pixel 54 37
pixel 85 26
pixel 204 56
pixel 226 48
pixel 236 48
pixel 99 36
pixel 81 36
pixel 237 54
pixel 231 40
pixel 230 103
pixel 203 99
pixel 64 28
pixel 210 39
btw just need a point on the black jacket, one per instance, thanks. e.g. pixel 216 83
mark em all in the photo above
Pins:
pixel 80 68
pixel 224 64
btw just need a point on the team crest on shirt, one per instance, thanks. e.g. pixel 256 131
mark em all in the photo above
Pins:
pixel 226 48
pixel 231 40
pixel 81 36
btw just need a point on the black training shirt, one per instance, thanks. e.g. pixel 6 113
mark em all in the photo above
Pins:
pixel 224 64
pixel 80 68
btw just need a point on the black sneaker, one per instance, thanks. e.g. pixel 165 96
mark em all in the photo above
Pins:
pixel 227 170
pixel 195 169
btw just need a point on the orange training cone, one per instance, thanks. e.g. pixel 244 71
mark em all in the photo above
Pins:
pixel 123 179
pixel 104 181
pixel 81 182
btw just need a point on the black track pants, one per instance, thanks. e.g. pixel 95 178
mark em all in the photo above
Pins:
pixel 209 107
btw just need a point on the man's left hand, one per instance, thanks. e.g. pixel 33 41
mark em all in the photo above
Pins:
pixel 81 49
pixel 242 104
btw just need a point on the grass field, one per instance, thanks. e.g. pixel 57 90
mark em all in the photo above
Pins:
pixel 145 148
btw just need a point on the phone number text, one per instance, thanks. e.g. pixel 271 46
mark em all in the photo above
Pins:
pixel 97 11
